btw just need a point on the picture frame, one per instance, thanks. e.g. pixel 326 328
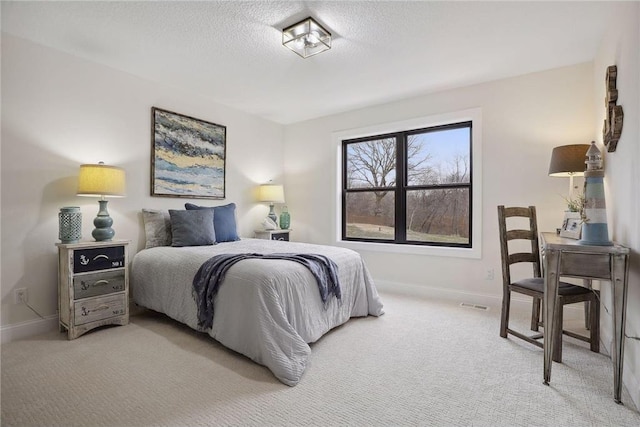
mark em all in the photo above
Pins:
pixel 188 156
pixel 571 225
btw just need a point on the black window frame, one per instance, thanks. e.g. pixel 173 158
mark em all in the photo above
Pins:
pixel 401 186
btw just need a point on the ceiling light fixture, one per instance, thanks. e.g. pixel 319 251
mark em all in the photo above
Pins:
pixel 306 38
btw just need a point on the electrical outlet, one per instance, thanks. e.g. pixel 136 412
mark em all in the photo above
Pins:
pixel 490 274
pixel 20 296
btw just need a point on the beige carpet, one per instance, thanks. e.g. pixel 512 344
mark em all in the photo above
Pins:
pixel 422 363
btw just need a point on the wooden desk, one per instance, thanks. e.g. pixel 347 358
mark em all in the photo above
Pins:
pixel 568 258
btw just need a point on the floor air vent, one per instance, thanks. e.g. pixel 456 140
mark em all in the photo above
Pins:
pixel 474 306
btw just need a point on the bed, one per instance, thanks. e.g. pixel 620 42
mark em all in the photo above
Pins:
pixel 269 310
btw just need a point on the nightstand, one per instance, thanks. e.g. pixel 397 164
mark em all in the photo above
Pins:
pixel 273 234
pixel 93 285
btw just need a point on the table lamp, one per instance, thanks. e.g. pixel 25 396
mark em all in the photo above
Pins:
pixel 568 160
pixel 271 193
pixel 101 181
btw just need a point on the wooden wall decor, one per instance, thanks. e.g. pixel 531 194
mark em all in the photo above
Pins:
pixel 614 115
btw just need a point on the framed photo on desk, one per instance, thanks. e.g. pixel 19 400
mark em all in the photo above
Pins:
pixel 571 225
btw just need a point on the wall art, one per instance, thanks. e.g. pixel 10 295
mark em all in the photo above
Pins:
pixel 187 156
pixel 612 128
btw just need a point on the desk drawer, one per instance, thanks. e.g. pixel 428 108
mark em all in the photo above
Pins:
pixel 98 258
pixel 100 308
pixel 94 284
pixel 596 266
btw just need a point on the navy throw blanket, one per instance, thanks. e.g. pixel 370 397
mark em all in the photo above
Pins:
pixel 207 280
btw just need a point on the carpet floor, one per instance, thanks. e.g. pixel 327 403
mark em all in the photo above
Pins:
pixel 423 363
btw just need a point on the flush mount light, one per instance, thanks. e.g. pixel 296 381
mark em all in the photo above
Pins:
pixel 306 38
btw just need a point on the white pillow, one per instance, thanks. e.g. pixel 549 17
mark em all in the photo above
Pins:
pixel 157 228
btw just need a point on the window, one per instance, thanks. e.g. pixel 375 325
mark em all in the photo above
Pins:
pixel 409 187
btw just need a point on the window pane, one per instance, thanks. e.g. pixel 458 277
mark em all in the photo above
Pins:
pixel 370 215
pixel 439 157
pixel 438 215
pixel 371 164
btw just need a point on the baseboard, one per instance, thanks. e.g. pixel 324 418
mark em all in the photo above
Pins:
pixel 28 329
pixel 493 302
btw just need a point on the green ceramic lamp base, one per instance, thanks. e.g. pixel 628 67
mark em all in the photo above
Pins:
pixel 103 222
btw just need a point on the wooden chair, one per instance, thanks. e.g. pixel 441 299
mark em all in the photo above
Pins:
pixel 534 286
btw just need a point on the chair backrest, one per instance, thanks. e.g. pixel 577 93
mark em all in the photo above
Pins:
pixel 507 234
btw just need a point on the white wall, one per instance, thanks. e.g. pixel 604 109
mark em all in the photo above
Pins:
pixel 621 47
pixel 59 111
pixel 523 118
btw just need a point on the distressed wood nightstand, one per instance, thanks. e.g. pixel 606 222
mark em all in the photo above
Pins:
pixel 93 285
pixel 273 234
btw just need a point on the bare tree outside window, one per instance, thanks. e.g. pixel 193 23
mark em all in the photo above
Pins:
pixel 372 164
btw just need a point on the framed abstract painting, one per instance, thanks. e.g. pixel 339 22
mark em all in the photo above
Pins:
pixel 187 156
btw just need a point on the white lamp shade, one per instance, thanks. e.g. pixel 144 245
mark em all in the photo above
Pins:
pixel 271 193
pixel 101 180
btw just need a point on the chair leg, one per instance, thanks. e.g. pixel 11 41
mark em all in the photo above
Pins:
pixel 556 334
pixel 535 314
pixel 587 310
pixel 594 317
pixel 504 319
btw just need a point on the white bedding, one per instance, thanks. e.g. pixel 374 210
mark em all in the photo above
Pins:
pixel 268 310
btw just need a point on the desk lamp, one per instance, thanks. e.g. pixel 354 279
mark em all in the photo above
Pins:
pixel 568 160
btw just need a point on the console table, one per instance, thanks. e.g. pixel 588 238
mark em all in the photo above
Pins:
pixel 568 258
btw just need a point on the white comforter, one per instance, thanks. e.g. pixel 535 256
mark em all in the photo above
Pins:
pixel 268 310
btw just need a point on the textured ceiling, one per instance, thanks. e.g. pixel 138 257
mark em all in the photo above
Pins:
pixel 231 51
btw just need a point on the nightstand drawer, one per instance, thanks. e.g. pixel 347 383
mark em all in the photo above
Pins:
pixel 99 308
pixel 280 236
pixel 98 258
pixel 94 284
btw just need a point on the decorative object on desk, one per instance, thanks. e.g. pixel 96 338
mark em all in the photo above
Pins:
pixel 594 227
pixel 188 156
pixel 575 204
pixel 614 117
pixel 271 193
pixel 70 224
pixel 285 218
pixel 568 161
pixel 571 225
pixel 101 181
pixel 306 38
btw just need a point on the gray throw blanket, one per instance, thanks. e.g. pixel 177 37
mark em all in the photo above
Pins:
pixel 207 280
